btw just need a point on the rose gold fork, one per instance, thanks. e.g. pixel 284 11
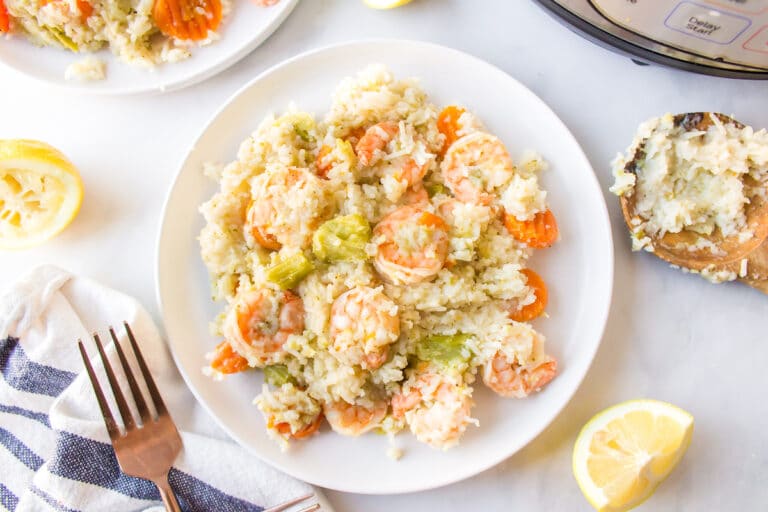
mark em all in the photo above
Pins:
pixel 146 450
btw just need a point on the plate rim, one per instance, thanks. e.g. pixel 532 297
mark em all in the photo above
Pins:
pixel 602 315
pixel 78 87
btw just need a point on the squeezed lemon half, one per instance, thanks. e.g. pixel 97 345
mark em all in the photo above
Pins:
pixel 385 4
pixel 625 451
pixel 40 193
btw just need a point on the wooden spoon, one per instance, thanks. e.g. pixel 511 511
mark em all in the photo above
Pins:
pixel 757 266
pixel 758 284
pixel 674 247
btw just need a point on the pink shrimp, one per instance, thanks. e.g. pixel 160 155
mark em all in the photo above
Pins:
pixel 354 419
pixel 436 407
pixel 279 207
pixel 370 148
pixel 475 167
pixel 364 323
pixel 510 379
pixel 412 245
pixel 260 322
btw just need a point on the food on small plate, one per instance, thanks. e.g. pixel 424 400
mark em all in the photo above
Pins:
pixel 373 265
pixel 40 193
pixel 694 191
pixel 627 450
pixel 139 32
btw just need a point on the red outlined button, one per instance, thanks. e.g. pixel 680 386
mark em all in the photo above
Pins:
pixel 744 7
pixel 758 42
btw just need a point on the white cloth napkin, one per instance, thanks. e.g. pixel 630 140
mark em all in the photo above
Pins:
pixel 56 453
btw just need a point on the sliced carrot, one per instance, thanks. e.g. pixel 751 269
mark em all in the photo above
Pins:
pixel 285 428
pixel 536 308
pixel 321 164
pixel 226 360
pixel 187 19
pixel 448 124
pixel 5 18
pixel 86 9
pixel 539 232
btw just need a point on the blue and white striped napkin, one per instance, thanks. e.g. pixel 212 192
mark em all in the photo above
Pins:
pixel 55 452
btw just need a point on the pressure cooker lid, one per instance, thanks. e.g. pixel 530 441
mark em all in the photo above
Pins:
pixel 720 37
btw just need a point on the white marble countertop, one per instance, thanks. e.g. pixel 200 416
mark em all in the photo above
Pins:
pixel 670 336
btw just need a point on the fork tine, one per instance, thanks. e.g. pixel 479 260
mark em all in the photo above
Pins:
pixel 122 405
pixel 146 415
pixel 153 392
pixel 109 420
pixel 290 503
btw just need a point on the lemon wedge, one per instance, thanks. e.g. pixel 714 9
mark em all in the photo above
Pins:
pixel 40 193
pixel 625 451
pixel 385 4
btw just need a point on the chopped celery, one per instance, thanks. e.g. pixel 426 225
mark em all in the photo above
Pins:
pixel 277 374
pixel 342 239
pixel 62 38
pixel 434 189
pixel 288 272
pixel 443 349
pixel 302 125
pixel 43 34
pixel 303 133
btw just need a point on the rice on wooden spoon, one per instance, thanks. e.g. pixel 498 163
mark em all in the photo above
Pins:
pixel 714 253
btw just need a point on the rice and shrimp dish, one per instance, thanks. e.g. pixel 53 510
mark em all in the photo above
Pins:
pixel 372 264
pixel 138 32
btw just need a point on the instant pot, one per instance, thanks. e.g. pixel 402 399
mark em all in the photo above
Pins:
pixel 726 38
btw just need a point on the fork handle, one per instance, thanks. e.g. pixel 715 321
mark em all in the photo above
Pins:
pixel 166 493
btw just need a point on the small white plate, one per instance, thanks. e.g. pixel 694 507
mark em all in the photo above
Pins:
pixel 578 269
pixel 245 28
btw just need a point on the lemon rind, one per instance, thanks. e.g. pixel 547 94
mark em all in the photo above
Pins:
pixel 385 4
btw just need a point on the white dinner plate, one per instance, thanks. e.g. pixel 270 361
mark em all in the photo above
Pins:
pixel 578 269
pixel 247 26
